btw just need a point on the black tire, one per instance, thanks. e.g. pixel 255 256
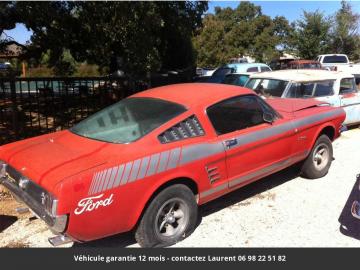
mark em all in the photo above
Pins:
pixel 317 165
pixel 178 200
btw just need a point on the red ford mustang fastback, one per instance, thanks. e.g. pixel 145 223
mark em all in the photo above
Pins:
pixel 148 161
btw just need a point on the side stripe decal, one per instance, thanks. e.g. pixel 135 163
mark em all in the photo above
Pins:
pixel 258 173
pixel 170 159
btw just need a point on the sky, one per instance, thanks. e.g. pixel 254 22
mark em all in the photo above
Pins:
pixel 292 10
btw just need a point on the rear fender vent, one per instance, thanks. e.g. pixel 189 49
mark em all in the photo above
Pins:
pixel 213 174
pixel 188 128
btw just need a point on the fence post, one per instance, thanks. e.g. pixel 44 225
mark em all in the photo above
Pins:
pixel 15 124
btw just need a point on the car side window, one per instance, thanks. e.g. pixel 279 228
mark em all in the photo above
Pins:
pixel 264 69
pixel 323 89
pixel 252 69
pixel 347 85
pixel 312 89
pixel 236 114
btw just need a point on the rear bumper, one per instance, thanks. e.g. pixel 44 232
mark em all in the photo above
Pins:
pixel 57 224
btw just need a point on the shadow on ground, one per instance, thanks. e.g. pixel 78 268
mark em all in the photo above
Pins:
pixel 6 221
pixel 349 225
pixel 237 196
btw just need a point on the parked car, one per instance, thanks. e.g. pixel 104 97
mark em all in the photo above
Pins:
pixel 304 64
pixel 238 79
pixel 219 74
pixel 336 88
pixel 339 62
pixel 204 71
pixel 238 60
pixel 278 64
pixel 148 161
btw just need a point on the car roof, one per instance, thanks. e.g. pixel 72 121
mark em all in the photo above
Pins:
pixel 334 54
pixel 241 73
pixel 302 75
pixel 195 94
pixel 241 67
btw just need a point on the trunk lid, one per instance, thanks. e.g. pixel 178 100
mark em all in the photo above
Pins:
pixel 37 157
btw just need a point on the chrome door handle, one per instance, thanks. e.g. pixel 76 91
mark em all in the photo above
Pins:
pixel 231 143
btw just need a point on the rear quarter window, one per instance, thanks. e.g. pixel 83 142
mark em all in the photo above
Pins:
pixel 252 69
pixel 347 85
pixel 264 69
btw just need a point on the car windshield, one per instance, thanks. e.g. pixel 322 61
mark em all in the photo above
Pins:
pixel 335 59
pixel 222 71
pixel 236 79
pixel 267 87
pixel 128 120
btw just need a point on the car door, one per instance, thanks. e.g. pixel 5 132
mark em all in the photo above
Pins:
pixel 253 147
pixel 350 100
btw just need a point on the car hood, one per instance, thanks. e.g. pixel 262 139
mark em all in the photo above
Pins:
pixel 289 105
pixel 50 155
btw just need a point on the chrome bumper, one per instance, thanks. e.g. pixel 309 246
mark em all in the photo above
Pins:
pixel 56 223
pixel 355 209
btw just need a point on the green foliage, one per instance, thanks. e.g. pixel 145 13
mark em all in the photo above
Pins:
pixel 311 36
pixel 148 36
pixel 8 20
pixel 241 31
pixel 344 34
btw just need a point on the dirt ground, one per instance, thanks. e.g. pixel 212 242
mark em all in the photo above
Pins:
pixel 282 210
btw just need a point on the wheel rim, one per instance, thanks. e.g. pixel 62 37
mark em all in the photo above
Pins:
pixel 321 156
pixel 172 219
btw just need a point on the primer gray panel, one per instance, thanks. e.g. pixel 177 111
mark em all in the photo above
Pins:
pixel 112 177
pixel 118 176
pixel 126 173
pixel 135 170
pixel 199 151
pixel 144 166
pixel 153 164
pixel 163 161
pixel 174 158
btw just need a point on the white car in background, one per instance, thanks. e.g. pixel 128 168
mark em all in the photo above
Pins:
pixel 335 88
pixel 339 62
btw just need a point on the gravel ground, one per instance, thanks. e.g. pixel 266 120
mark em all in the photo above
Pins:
pixel 282 210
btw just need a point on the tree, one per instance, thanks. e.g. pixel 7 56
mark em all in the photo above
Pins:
pixel 7 21
pixel 344 34
pixel 311 35
pixel 147 36
pixel 237 32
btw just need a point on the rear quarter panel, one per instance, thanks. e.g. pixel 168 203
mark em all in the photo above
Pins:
pixel 308 133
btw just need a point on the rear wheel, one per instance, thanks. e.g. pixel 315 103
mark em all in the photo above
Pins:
pixel 319 160
pixel 170 217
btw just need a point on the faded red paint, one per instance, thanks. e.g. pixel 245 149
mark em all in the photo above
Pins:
pixel 64 163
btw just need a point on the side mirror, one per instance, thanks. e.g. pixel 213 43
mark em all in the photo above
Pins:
pixel 268 118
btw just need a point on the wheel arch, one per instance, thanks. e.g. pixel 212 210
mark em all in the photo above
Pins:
pixel 327 129
pixel 187 181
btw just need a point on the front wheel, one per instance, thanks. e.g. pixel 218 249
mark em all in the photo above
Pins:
pixel 319 160
pixel 170 217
